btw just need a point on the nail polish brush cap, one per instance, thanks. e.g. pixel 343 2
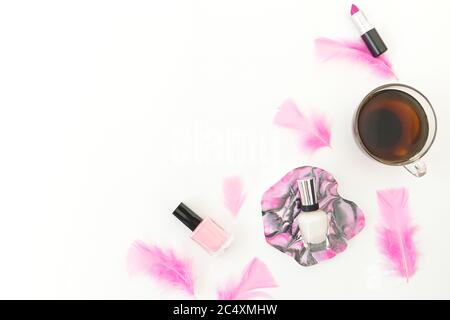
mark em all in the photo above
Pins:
pixel 189 218
pixel 308 196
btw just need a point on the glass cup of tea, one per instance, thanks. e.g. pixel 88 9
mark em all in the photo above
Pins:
pixel 396 125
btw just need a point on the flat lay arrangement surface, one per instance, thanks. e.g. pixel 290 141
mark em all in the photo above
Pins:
pixel 235 150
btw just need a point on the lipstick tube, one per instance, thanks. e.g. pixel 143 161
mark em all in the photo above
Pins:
pixel 206 232
pixel 368 33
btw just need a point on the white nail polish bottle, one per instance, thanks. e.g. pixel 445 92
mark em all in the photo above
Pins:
pixel 313 223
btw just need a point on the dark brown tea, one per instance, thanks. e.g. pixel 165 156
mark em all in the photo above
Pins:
pixel 392 126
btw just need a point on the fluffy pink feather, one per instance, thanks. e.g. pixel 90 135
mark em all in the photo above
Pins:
pixel 353 51
pixel 234 195
pixel 396 231
pixel 314 133
pixel 162 265
pixel 255 276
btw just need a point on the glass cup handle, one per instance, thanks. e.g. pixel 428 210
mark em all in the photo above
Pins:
pixel 417 169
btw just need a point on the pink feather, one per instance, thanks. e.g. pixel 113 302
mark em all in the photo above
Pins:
pixel 396 232
pixel 327 49
pixel 314 133
pixel 255 276
pixel 162 265
pixel 234 195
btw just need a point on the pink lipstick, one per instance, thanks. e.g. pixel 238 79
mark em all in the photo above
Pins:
pixel 206 232
pixel 368 33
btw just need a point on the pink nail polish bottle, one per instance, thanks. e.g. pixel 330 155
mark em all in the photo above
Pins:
pixel 205 232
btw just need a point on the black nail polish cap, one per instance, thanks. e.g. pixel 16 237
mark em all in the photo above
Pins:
pixel 189 218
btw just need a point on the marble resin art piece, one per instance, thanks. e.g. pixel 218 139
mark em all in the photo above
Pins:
pixel 281 207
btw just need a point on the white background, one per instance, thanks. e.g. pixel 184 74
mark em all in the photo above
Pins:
pixel 112 112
